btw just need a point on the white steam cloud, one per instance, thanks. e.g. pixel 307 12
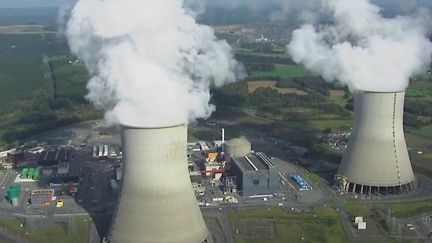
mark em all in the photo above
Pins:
pixel 362 49
pixel 151 64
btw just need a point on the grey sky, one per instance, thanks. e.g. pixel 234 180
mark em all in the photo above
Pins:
pixel 227 3
pixel 32 3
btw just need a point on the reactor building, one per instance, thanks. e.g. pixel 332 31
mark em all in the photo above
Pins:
pixel 157 202
pixel 255 173
pixel 376 160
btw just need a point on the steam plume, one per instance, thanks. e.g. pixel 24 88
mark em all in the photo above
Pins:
pixel 362 49
pixel 150 63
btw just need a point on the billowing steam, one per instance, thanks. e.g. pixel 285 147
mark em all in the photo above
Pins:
pixel 362 49
pixel 150 63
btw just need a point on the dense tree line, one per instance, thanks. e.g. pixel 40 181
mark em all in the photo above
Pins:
pixel 250 58
pixel 419 107
pixel 269 101
pixel 261 67
pixel 308 83
pixel 258 47
pixel 19 134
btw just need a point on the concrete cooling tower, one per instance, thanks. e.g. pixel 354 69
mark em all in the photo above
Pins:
pixel 376 160
pixel 157 202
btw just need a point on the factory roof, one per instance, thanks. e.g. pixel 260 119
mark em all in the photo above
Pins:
pixel 72 174
pixel 254 162
pixel 53 157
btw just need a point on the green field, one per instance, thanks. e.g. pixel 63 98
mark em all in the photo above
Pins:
pixel 400 209
pixel 418 93
pixel 53 234
pixel 425 131
pixel 320 224
pixel 332 124
pixel 283 71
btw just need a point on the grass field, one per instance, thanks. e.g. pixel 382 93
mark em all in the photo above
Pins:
pixel 283 71
pixel 332 124
pixel 419 93
pixel 52 234
pixel 320 224
pixel 425 131
pixel 400 209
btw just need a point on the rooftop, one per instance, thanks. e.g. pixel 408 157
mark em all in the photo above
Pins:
pixel 254 162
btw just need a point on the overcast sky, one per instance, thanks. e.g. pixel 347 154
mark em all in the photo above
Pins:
pixel 236 3
pixel 32 3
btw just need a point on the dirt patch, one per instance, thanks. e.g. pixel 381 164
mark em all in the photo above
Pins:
pixel 18 29
pixel 337 93
pixel 254 85
pixel 9 29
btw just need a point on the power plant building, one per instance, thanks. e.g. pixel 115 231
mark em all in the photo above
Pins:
pixel 54 157
pixel 255 174
pixel 376 160
pixel 157 202
pixel 65 173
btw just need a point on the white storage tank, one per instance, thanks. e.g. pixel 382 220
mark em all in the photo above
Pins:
pixel 238 147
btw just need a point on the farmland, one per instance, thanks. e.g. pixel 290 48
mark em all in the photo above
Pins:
pixel 283 71
pixel 23 29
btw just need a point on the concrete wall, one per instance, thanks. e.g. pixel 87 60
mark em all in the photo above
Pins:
pixel 157 201
pixel 377 154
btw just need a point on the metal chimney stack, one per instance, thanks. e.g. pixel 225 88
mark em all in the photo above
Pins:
pixel 376 160
pixel 157 202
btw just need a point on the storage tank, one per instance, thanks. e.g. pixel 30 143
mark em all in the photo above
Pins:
pixel 376 160
pixel 37 174
pixel 24 173
pixel 30 173
pixel 238 147
pixel 157 202
pixel 14 192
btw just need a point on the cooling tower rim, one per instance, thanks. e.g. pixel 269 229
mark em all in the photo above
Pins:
pixel 125 126
pixel 379 92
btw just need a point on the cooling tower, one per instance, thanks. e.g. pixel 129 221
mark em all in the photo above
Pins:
pixel 376 160
pixel 157 202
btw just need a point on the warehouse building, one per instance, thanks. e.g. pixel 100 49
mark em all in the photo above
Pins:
pixel 54 157
pixel 41 197
pixel 66 173
pixel 255 174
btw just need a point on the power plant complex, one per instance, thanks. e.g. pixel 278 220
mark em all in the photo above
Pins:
pixel 376 160
pixel 157 202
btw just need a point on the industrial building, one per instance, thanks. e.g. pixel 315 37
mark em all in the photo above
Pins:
pixel 54 157
pixel 101 151
pixel 255 174
pixel 157 201
pixel 376 160
pixel 42 197
pixel 65 173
